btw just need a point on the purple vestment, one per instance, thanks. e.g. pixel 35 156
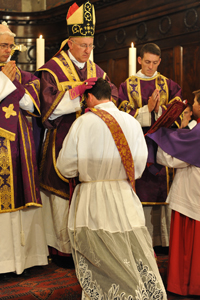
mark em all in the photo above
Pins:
pixel 134 94
pixel 19 179
pixel 54 71
pixel 183 144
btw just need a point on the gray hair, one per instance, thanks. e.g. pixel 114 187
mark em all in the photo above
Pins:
pixel 4 30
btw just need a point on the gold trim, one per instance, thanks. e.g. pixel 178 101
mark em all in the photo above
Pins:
pixel 31 182
pixel 135 97
pixel 60 95
pixel 54 75
pixel 154 203
pixel 54 158
pixel 178 125
pixel 175 98
pixel 51 189
pixel 33 100
pixel 70 71
pixel 21 207
pixel 7 134
pixel 91 69
pixel 6 160
pixel 161 85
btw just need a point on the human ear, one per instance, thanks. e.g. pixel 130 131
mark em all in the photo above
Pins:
pixel 139 60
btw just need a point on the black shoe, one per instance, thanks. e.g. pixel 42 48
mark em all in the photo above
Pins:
pixel 5 276
pixel 63 261
pixel 26 273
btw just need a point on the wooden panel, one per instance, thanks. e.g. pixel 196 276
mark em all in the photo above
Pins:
pixel 173 25
pixel 191 70
pixel 10 5
pixel 116 69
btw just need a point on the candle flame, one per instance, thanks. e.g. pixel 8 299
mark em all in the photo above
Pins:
pixel 40 36
pixel 132 45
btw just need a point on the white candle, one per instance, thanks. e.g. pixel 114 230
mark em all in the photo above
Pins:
pixel 40 52
pixel 132 60
pixel 91 56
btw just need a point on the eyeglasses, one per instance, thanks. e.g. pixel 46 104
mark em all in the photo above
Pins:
pixel 6 46
pixel 90 46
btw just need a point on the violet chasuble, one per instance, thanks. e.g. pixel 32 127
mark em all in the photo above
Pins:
pixel 19 183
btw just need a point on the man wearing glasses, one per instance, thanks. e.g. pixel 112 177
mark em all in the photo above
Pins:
pixel 64 78
pixel 22 236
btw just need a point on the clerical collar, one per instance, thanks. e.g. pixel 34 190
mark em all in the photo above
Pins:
pixel 141 75
pixel 198 120
pixel 76 62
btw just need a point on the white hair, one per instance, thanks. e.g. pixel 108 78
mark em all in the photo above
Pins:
pixel 3 31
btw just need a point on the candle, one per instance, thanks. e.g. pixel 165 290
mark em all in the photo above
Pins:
pixel 91 56
pixel 40 52
pixel 132 60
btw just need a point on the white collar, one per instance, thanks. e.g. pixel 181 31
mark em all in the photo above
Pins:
pixel 106 105
pixel 141 75
pixel 76 62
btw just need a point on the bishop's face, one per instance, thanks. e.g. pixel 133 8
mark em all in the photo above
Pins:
pixel 6 43
pixel 149 63
pixel 81 47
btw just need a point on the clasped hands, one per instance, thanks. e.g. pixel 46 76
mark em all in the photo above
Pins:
pixel 80 89
pixel 10 70
pixel 154 101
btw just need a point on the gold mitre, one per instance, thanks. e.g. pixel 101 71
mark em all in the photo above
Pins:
pixel 81 20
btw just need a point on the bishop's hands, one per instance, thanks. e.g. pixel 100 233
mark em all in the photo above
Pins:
pixel 10 70
pixel 154 101
pixel 80 89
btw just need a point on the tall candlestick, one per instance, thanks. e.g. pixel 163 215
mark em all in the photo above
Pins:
pixel 132 60
pixel 91 56
pixel 40 52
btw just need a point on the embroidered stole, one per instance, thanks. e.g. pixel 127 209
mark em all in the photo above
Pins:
pixel 120 141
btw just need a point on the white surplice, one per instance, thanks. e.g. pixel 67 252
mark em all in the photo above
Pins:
pixel 111 246
pixel 184 193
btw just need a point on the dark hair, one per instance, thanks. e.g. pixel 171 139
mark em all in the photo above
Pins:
pixel 191 109
pixel 190 106
pixel 101 90
pixel 150 48
pixel 197 95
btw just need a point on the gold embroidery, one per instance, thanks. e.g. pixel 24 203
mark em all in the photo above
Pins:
pixel 67 66
pixel 120 141
pixel 91 69
pixel 161 85
pixel 9 111
pixel 7 134
pixel 134 93
pixel 6 175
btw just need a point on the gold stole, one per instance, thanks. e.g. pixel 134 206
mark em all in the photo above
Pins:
pixel 120 141
pixel 73 80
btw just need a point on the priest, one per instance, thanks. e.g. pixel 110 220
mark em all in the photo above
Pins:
pixel 22 237
pixel 64 78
